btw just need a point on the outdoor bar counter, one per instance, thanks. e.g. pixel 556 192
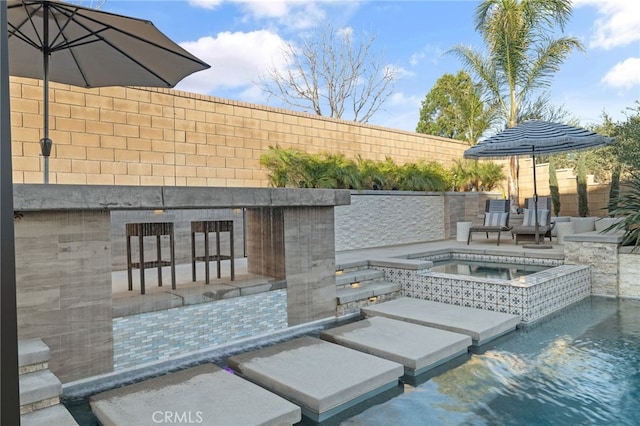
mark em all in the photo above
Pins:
pixel 63 242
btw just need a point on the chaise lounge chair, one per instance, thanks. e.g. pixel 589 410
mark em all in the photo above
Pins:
pixel 496 219
pixel 527 230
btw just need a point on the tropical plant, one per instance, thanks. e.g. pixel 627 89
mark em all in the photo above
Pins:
pixel 291 168
pixel 627 207
pixel 522 55
pixel 454 109
pixel 472 175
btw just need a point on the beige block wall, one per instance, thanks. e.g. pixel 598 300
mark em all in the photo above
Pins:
pixel 598 194
pixel 146 136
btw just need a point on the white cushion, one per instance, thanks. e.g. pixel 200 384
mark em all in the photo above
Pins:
pixel 529 219
pixel 605 222
pixel 584 224
pixel 495 219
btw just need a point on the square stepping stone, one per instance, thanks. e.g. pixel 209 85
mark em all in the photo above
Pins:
pixel 417 347
pixel 323 378
pixel 483 326
pixel 205 395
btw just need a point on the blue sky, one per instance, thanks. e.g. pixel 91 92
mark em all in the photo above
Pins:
pixel 241 39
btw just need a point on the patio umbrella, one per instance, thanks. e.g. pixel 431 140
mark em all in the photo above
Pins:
pixel 535 137
pixel 70 44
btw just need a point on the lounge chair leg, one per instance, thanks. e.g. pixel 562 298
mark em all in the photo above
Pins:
pixel 469 237
pixel 498 237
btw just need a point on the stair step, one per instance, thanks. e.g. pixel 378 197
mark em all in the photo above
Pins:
pixel 40 389
pixel 57 415
pixel 33 355
pixel 365 291
pixel 358 276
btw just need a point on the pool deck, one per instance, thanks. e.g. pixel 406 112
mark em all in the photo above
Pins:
pixel 507 247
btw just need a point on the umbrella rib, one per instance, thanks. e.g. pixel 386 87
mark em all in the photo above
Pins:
pixel 74 43
pixel 22 36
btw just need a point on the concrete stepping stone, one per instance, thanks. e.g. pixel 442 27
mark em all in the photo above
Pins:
pixel 205 395
pixel 416 347
pixel 483 326
pixel 324 379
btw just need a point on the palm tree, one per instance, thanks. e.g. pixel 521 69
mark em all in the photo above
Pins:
pixel 522 55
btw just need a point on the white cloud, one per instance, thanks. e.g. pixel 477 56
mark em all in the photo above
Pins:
pixel 432 53
pixel 237 60
pixel 206 4
pixel 619 22
pixel 624 75
pixel 296 14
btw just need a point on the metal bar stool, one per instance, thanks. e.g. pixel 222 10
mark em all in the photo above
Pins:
pixel 152 229
pixel 207 226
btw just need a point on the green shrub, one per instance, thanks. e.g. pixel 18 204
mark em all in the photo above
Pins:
pixel 627 207
pixel 292 168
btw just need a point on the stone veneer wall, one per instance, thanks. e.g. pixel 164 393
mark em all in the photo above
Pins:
pixel 63 276
pixel 157 336
pixel 63 259
pixel 601 256
pixel 629 270
pixel 383 218
pixel 148 136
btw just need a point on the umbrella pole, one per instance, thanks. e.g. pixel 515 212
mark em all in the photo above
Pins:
pixel 537 244
pixel 535 199
pixel 45 142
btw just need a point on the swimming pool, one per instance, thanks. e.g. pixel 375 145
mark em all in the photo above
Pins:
pixel 581 366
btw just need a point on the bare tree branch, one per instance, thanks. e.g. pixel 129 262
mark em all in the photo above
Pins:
pixel 329 72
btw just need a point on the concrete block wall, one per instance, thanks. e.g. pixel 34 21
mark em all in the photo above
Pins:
pixel 598 193
pixel 147 136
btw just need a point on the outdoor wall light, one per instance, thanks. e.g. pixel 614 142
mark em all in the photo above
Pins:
pixel 373 299
pixel 158 212
pixel 339 272
pixel 355 285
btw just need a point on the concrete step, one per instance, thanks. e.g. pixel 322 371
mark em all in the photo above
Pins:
pixel 365 291
pixel 359 276
pixel 33 355
pixel 39 389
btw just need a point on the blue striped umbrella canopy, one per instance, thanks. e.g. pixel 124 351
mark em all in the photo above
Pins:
pixel 536 137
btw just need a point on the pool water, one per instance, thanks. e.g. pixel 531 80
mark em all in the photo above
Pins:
pixel 486 269
pixel 580 367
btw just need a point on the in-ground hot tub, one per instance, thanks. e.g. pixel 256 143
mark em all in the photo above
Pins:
pixel 532 296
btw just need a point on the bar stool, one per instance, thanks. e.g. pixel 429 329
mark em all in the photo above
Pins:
pixel 207 226
pixel 152 229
